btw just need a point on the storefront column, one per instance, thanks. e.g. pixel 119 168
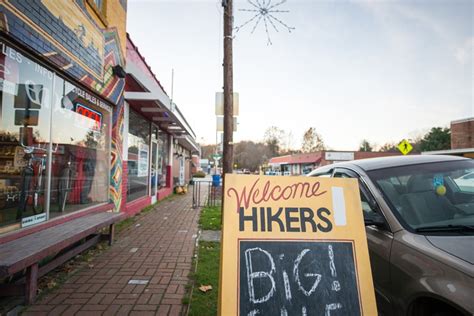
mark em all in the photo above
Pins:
pixel 169 173
pixel 126 109
pixel 116 164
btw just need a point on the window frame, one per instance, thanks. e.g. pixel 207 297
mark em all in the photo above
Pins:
pixel 365 190
pixel 48 177
pixel 100 12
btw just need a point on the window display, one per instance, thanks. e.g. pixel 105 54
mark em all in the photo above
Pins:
pixel 163 158
pixel 80 165
pixel 138 156
pixel 52 135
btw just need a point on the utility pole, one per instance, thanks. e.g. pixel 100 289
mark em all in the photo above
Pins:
pixel 228 155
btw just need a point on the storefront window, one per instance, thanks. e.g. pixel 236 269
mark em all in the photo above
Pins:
pixel 40 118
pixel 154 160
pixel 81 138
pixel 138 156
pixel 163 157
pixel 25 108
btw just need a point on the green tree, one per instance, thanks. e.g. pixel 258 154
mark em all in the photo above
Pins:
pixel 312 141
pixel 365 145
pixel 437 138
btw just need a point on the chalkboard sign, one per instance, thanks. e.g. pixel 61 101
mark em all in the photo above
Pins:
pixel 294 246
pixel 297 278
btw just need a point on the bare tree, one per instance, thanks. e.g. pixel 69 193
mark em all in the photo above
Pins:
pixel 389 147
pixel 312 141
pixel 273 138
pixel 207 151
pixel 250 155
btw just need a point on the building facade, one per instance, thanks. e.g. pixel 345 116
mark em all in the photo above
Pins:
pixel 159 141
pixel 85 126
pixel 462 133
pixel 300 164
pixel 61 108
pixel 462 139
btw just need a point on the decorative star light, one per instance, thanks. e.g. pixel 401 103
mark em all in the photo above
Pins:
pixel 265 9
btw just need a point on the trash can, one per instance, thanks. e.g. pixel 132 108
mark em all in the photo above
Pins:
pixel 216 180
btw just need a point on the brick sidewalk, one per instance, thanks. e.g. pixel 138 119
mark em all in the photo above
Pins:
pixel 157 250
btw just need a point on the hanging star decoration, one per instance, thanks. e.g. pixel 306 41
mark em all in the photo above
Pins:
pixel 265 10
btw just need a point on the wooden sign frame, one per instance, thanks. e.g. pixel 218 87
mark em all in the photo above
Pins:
pixel 294 246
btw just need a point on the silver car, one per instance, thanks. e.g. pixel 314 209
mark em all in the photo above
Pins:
pixel 420 231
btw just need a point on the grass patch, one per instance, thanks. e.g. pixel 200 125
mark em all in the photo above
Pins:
pixel 210 218
pixel 207 274
pixel 124 224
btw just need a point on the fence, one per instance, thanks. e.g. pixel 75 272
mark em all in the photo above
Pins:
pixel 205 194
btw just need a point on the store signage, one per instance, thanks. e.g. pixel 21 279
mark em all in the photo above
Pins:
pixel 294 246
pixel 339 156
pixel 181 171
pixel 32 220
pixel 142 160
pixel 95 118
pixel 26 117
pixel 92 99
pixel 11 53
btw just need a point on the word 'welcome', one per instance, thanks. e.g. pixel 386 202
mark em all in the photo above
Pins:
pixel 256 195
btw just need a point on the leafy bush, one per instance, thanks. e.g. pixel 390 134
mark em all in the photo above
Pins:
pixel 199 174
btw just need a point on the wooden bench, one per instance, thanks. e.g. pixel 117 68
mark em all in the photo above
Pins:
pixel 26 252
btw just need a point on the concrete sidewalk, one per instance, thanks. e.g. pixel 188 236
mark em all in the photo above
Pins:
pixel 144 273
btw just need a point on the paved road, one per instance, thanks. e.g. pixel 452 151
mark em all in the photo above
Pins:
pixel 157 252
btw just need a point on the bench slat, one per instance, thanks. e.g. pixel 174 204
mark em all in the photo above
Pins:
pixel 18 254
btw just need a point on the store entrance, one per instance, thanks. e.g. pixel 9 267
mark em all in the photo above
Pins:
pixel 154 168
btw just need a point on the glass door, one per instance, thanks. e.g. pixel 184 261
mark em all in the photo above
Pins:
pixel 154 167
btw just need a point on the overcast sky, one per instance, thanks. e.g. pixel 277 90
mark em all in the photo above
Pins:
pixel 379 70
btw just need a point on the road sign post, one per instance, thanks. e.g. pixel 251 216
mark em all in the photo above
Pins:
pixel 405 147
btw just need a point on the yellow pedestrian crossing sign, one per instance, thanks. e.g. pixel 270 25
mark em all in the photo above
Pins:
pixel 405 147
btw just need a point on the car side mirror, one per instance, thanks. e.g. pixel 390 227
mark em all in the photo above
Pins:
pixel 374 219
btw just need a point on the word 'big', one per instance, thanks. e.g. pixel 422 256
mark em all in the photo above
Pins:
pixel 297 278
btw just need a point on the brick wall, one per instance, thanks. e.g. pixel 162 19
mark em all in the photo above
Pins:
pixel 71 36
pixel 365 155
pixel 462 134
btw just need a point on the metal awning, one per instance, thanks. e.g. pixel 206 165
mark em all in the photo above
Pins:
pixel 149 99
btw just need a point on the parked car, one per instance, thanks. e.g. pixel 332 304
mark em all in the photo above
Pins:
pixel 466 182
pixel 420 231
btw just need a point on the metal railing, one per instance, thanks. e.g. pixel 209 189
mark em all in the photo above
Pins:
pixel 205 194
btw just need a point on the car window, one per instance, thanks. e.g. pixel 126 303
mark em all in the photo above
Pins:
pixel 469 176
pixel 366 208
pixel 429 194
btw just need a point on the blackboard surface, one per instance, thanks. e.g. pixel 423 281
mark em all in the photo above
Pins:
pixel 302 277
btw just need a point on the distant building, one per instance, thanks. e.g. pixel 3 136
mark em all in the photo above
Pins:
pixel 299 164
pixel 195 164
pixel 462 133
pixel 462 139
pixel 205 165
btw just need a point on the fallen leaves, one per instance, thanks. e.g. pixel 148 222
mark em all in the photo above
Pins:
pixel 205 288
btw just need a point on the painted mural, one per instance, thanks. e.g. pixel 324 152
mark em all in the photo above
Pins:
pixel 64 33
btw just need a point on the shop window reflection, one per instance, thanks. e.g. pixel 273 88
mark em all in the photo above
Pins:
pixel 138 156
pixel 163 158
pixel 25 108
pixel 80 168
pixel 33 102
